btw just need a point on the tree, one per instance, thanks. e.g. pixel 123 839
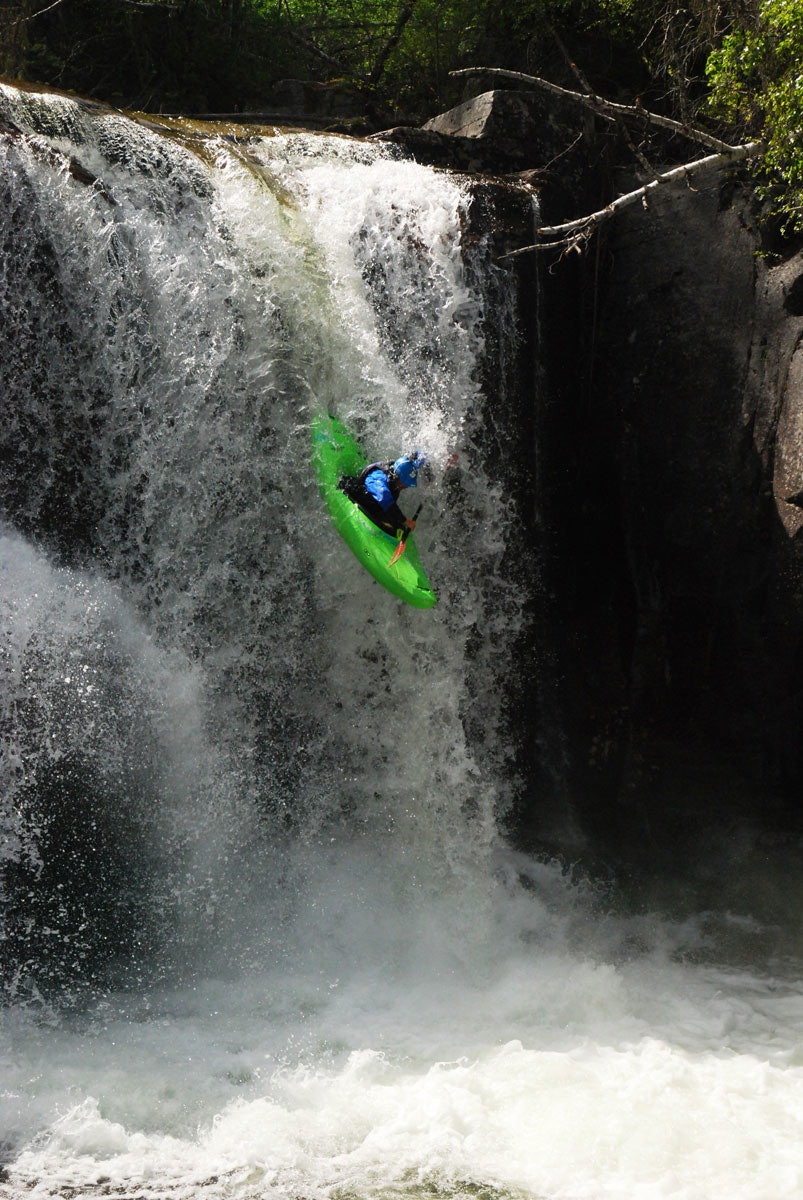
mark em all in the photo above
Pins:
pixel 396 51
pixel 185 55
pixel 14 15
pixel 757 87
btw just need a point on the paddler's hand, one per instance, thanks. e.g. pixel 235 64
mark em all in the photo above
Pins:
pixel 409 524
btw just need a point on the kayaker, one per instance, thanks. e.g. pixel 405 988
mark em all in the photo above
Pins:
pixel 377 488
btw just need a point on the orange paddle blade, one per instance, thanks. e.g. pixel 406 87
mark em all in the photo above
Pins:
pixel 398 552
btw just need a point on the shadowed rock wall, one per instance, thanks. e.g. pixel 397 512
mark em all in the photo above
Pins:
pixel 668 435
pixel 675 463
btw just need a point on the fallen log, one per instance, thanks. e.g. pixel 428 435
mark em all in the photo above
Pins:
pixel 608 109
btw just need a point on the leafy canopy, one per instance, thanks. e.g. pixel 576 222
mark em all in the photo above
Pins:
pixel 756 81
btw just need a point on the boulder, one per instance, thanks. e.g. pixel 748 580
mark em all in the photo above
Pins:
pixel 498 131
pixel 496 114
pixel 774 394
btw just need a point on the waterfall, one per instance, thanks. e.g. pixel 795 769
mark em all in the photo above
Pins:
pixel 262 931
pixel 173 327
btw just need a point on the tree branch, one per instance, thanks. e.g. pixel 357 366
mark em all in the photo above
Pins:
pixel 589 91
pixel 405 13
pixel 606 108
pixel 23 20
pixel 55 3
pixel 316 50
pixel 573 234
pixel 150 4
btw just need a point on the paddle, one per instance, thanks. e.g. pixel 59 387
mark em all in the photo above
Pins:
pixel 399 551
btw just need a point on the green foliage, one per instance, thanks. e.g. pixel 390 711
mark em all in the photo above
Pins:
pixel 756 80
pixel 429 38
pixel 225 55
pixel 733 60
pixel 191 55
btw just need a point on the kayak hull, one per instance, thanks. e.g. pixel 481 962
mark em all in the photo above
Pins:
pixel 336 453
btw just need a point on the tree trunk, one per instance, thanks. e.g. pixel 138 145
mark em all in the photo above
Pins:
pixel 405 13
pixel 234 19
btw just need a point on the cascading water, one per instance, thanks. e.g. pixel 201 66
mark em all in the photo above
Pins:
pixel 262 935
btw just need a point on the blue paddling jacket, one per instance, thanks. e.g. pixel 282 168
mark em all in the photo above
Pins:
pixel 376 489
pixel 384 487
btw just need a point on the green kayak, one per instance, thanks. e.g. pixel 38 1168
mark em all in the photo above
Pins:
pixel 335 453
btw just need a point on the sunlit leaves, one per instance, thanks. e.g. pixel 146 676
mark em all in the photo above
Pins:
pixel 756 79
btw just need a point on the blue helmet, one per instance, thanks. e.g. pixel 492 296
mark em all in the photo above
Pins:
pixel 406 468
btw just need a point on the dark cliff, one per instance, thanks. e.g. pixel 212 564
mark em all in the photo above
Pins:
pixel 681 445
pixel 669 434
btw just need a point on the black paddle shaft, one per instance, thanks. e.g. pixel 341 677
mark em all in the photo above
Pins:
pixel 413 518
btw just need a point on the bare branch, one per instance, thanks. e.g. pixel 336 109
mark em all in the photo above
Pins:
pixel 574 234
pixel 589 91
pixel 55 3
pixel 606 108
pixel 23 20
pixel 316 50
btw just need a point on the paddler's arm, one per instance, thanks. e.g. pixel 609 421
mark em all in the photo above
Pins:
pixel 398 518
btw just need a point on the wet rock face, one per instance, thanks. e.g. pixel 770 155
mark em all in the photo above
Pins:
pixel 775 386
pixel 669 434
pixel 677 464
